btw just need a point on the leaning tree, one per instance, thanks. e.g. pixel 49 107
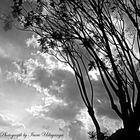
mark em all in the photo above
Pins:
pixel 92 34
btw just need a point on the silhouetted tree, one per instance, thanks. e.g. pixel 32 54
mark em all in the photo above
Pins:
pixel 103 33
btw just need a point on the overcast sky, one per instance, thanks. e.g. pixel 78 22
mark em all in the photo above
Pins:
pixel 45 97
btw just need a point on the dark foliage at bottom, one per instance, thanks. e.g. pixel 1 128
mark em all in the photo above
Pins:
pixel 122 134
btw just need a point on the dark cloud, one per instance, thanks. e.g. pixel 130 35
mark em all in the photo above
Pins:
pixel 62 84
pixel 69 90
pixel 43 78
pixel 66 113
pixel 40 123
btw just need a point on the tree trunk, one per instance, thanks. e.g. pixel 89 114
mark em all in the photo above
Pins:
pixel 92 115
pixel 133 124
pixel 136 118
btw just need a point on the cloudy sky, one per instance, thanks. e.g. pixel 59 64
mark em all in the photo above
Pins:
pixel 39 94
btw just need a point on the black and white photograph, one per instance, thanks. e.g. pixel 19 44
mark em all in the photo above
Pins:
pixel 69 69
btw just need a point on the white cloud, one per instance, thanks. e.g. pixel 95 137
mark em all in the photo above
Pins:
pixel 7 120
pixel 32 42
pixel 35 110
pixel 84 117
pixel 4 121
pixel 76 131
pixel 93 74
pixel 108 124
